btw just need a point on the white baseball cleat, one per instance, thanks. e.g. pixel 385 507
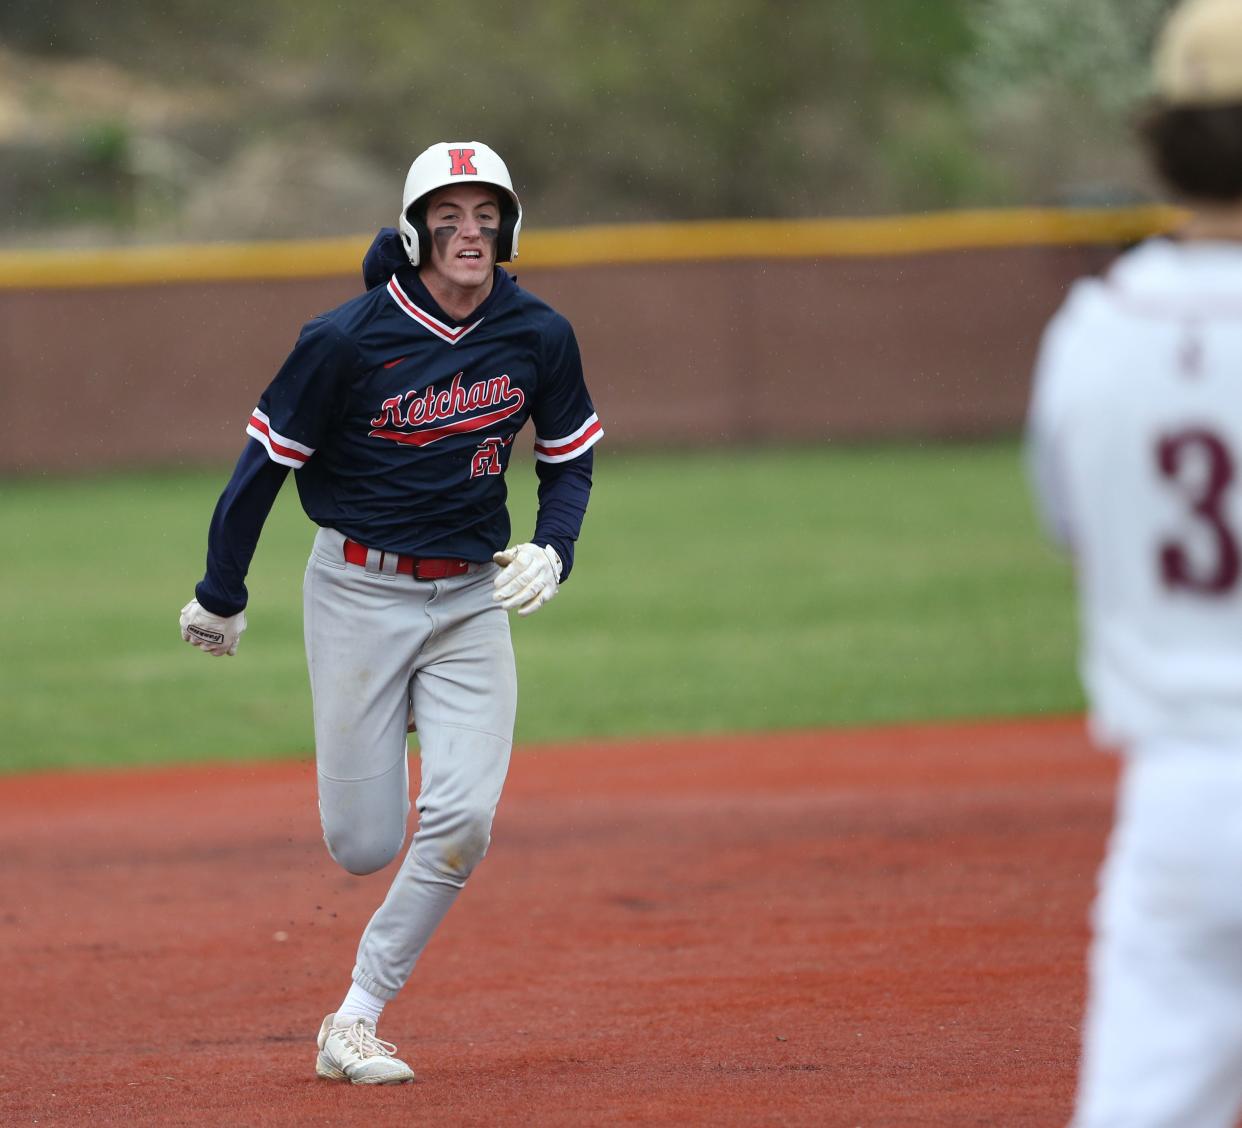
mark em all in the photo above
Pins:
pixel 353 1053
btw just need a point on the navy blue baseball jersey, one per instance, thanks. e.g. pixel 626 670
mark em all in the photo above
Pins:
pixel 400 421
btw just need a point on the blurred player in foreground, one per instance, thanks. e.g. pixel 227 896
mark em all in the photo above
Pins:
pixel 398 411
pixel 1135 442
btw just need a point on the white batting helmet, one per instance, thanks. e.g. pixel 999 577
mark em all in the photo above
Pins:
pixel 457 162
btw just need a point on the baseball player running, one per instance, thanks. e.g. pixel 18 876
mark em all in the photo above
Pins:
pixel 1135 441
pixel 398 412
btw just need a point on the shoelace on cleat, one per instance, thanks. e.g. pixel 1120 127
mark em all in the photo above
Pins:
pixel 364 1043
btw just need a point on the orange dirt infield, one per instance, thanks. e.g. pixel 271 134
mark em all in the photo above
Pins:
pixel 881 927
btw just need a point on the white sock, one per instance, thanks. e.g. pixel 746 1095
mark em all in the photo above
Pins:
pixel 359 1003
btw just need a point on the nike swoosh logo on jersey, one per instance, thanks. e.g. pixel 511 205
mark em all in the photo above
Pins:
pixel 394 363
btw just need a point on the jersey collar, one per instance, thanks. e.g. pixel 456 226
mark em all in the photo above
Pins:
pixel 407 291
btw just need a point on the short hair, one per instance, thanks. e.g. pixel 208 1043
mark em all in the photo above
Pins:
pixel 1196 150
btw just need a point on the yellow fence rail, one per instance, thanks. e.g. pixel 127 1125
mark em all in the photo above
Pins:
pixel 707 240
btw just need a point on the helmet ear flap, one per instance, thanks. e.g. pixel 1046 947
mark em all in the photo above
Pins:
pixel 413 231
pixel 416 219
pixel 508 225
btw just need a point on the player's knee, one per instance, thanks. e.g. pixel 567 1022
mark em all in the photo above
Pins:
pixel 361 835
pixel 361 850
pixel 455 853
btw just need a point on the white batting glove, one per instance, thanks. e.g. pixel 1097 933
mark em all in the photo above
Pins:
pixel 216 634
pixel 529 576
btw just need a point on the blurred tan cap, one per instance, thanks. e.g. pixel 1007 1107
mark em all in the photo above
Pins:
pixel 1199 54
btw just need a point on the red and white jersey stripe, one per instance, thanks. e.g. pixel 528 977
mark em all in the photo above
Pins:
pixel 279 448
pixel 431 324
pixel 570 446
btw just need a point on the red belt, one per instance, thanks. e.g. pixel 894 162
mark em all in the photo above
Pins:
pixel 420 567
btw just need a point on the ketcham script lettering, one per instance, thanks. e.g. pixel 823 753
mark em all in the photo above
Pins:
pixel 424 410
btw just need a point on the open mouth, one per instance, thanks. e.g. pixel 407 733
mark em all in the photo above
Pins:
pixel 469 254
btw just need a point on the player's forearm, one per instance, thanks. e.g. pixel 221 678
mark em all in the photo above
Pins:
pixel 235 527
pixel 564 490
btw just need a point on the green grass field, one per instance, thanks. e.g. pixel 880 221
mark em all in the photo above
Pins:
pixel 715 591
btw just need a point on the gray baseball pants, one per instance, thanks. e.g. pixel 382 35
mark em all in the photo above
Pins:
pixel 377 641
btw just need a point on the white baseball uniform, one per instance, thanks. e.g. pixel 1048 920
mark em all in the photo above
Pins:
pixel 1135 449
